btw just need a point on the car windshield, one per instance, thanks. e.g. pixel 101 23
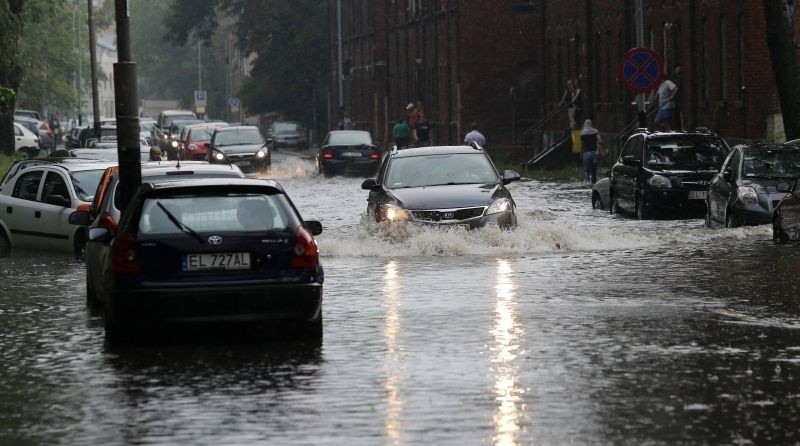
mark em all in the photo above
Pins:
pixel 437 170
pixel 85 183
pixel 238 137
pixel 685 153
pixel 201 134
pixel 146 126
pixel 771 164
pixel 168 120
pixel 212 213
pixel 284 127
pixel 349 139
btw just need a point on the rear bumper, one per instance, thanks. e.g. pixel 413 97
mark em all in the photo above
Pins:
pixel 673 202
pixel 354 164
pixel 217 304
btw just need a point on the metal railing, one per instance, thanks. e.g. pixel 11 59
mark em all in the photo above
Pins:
pixel 545 136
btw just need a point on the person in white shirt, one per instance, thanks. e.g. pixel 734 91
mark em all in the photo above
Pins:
pixel 475 136
pixel 666 103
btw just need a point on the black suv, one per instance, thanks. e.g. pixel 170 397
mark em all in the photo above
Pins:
pixel 666 173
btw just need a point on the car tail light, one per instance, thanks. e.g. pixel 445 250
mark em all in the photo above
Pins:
pixel 106 221
pixel 123 255
pixel 327 154
pixel 305 253
pixel 374 155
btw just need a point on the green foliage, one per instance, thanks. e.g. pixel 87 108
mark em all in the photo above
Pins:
pixel 6 161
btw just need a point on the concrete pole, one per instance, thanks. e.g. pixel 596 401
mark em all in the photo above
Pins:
pixel 642 114
pixel 339 49
pixel 93 59
pixel 127 108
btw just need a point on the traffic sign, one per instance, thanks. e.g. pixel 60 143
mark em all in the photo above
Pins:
pixel 641 70
pixel 233 102
pixel 199 98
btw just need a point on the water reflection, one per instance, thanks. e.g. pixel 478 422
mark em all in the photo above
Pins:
pixel 507 333
pixel 395 367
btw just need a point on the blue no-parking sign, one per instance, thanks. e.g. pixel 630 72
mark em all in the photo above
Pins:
pixel 641 70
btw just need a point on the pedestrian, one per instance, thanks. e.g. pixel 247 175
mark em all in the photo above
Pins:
pixel 475 136
pixel 590 142
pixel 401 134
pixel 416 113
pixel 345 122
pixel 570 98
pixel 155 153
pixel 665 92
pixel 422 133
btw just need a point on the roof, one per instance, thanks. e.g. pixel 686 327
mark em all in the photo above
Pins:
pixel 236 127
pixel 434 150
pixel 347 131
pixel 223 183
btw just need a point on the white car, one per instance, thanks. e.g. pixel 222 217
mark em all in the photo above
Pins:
pixel 25 141
pixel 37 198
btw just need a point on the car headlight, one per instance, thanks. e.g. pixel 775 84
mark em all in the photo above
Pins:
pixel 392 212
pixel 261 153
pixel 659 182
pixel 174 144
pixel 747 195
pixel 219 156
pixel 499 205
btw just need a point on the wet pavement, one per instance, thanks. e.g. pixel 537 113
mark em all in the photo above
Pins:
pixel 578 327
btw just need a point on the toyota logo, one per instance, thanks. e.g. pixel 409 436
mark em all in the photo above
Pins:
pixel 448 215
pixel 215 240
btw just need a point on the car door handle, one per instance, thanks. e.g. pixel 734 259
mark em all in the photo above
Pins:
pixel 9 210
pixel 37 214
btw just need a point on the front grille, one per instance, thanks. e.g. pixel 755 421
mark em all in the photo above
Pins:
pixel 448 214
pixel 241 157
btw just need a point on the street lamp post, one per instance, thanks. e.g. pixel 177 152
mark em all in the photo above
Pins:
pixel 127 108
pixel 76 18
pixel 642 114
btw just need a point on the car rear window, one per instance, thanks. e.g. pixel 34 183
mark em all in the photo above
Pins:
pixel 226 213
pixel 687 153
pixel 349 139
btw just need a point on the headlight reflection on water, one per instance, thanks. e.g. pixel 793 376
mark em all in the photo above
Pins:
pixel 506 333
pixel 395 401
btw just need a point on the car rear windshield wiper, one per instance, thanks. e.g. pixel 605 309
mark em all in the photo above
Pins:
pixel 178 223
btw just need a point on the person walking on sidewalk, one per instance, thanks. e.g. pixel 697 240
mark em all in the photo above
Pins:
pixel 590 141
pixel 666 104
pixel 401 134
pixel 475 136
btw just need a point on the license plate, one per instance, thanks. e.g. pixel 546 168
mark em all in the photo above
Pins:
pixel 351 154
pixel 222 260
pixel 243 163
pixel 697 194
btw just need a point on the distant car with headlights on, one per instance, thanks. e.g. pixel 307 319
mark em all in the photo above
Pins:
pixel 442 186
pixel 196 138
pixel 240 145
pixel 751 183
pixel 211 252
pixel 666 174
pixel 348 151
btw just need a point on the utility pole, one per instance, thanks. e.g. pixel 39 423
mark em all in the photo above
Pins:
pixel 339 49
pixel 127 108
pixel 93 59
pixel 642 114
pixel 80 72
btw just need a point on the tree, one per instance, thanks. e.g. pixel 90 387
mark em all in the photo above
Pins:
pixel 780 41
pixel 10 69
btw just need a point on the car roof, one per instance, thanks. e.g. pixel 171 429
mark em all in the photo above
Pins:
pixel 340 132
pixel 788 146
pixel 236 127
pixel 215 182
pixel 176 112
pixel 434 150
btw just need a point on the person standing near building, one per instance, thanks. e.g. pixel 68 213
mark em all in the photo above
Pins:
pixel 401 134
pixel 590 141
pixel 571 98
pixel 666 104
pixel 475 136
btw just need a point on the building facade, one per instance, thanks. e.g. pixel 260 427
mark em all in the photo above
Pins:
pixel 504 63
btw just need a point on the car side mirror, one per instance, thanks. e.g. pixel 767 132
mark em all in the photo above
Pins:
pixel 207 145
pixel 509 176
pixel 79 218
pixel 727 175
pixel 631 161
pixel 370 184
pixel 100 235
pixel 314 226
pixel 58 200
pixel 783 187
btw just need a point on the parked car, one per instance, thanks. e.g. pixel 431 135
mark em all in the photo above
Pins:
pixel 666 173
pixel 442 186
pixel 348 151
pixel 87 134
pixel 175 149
pixel 105 210
pixel 37 198
pixel 600 194
pixel 227 251
pixel 750 184
pixel 166 117
pixel 288 135
pixel 39 128
pixel 28 114
pixel 241 145
pixel 25 141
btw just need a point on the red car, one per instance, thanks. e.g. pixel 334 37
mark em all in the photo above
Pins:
pixel 196 137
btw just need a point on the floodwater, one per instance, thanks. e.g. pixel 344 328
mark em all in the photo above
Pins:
pixel 576 328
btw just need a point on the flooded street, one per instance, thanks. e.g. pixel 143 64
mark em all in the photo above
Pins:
pixel 578 327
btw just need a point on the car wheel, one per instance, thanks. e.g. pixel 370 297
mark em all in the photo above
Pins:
pixel 92 302
pixel 80 245
pixel 312 329
pixel 708 217
pixel 117 333
pixel 614 206
pixel 778 235
pixel 641 209
pixel 730 220
pixel 5 244
pixel 596 203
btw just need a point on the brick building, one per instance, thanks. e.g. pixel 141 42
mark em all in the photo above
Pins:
pixel 504 62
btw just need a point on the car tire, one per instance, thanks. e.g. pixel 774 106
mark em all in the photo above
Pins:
pixel 312 329
pixel 92 302
pixel 613 205
pixel 117 333
pixel 731 221
pixel 79 245
pixel 596 203
pixel 709 223
pixel 778 235
pixel 5 244
pixel 641 209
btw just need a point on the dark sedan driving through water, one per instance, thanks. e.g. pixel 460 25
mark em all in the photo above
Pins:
pixel 442 186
